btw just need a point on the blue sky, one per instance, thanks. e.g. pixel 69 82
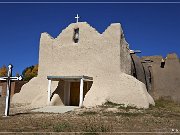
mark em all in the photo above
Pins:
pixel 152 28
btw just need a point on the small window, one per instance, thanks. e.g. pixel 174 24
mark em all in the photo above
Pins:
pixel 162 63
pixel 76 35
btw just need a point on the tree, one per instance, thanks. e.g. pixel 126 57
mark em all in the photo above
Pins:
pixel 30 72
pixel 3 71
pixel 35 70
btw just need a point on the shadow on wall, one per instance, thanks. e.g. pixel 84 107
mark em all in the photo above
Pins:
pixel 60 92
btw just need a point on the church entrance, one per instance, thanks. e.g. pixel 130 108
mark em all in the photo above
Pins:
pixel 75 89
pixel 75 92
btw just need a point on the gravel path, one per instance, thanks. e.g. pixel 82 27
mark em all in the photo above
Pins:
pixel 56 109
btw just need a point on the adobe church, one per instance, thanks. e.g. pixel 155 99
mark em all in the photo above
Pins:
pixel 82 67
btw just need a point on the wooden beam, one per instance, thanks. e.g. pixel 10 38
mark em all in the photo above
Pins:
pixel 134 51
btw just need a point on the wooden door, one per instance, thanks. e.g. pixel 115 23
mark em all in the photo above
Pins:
pixel 74 93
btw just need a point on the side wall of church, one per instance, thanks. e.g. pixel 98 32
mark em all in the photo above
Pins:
pixel 125 57
pixel 165 81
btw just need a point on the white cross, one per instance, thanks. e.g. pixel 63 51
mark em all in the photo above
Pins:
pixel 77 18
pixel 8 79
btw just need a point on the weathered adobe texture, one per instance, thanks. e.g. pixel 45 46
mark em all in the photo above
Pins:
pixel 105 57
pixel 165 80
pixel 137 68
pixel 141 70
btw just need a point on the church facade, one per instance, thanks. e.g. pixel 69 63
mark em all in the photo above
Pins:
pixel 82 67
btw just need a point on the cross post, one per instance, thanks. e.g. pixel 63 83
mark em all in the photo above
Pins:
pixel 77 18
pixel 9 78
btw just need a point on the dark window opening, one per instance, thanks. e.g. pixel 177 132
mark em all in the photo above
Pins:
pixel 150 79
pixel 162 64
pixel 76 35
pixel 134 74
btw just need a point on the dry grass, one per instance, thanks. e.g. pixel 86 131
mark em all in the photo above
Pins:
pixel 111 117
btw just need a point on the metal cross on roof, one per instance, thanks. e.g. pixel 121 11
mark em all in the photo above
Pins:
pixel 77 18
pixel 9 78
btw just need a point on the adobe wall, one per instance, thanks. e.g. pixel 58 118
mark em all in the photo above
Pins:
pixel 138 68
pixel 165 81
pixel 93 54
pixel 148 76
pixel 4 88
pixel 15 87
pixel 105 57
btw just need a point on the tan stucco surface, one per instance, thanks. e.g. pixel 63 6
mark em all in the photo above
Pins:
pixel 105 57
pixel 165 81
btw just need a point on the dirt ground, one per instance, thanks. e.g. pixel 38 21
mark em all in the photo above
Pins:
pixel 109 118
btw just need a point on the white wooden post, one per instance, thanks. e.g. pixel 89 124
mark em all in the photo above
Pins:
pixel 49 91
pixel 8 91
pixel 81 93
pixel 8 98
